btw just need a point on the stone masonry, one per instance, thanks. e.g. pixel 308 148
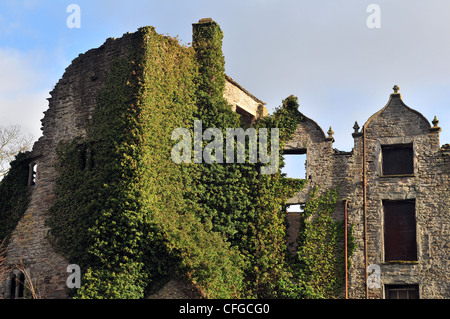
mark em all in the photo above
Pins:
pixel 364 189
pixel 71 105
pixel 427 185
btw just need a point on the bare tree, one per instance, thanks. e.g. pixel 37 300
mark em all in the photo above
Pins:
pixel 12 142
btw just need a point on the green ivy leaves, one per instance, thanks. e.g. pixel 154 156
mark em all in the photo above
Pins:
pixel 133 219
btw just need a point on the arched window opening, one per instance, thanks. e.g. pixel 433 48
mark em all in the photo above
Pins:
pixel 15 285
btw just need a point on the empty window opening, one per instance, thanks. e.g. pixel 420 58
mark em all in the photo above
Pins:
pixel 294 165
pixel 15 286
pixel 12 287
pixel 295 208
pixel 32 174
pixel 86 157
pixel 402 291
pixel 294 216
pixel 400 231
pixel 246 117
pixel 90 158
pixel 398 159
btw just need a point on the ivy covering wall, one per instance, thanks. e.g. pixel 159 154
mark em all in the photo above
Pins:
pixel 133 219
pixel 14 196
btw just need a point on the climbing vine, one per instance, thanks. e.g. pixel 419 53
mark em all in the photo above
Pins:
pixel 135 224
pixel 318 265
pixel 14 196
pixel 133 219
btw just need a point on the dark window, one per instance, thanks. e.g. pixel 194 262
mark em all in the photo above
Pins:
pixel 294 218
pixel 90 158
pixel 19 285
pixel 246 117
pixel 400 231
pixel 398 159
pixel 12 287
pixel 15 286
pixel 402 292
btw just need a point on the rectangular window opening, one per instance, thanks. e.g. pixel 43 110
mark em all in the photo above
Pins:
pixel 294 217
pixel 402 291
pixel 400 231
pixel 296 208
pixel 32 169
pixel 397 159
pixel 15 285
pixel 246 117
pixel 295 166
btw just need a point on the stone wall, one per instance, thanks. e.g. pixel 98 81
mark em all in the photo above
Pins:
pixel 74 99
pixel 71 105
pixel 310 139
pixel 429 186
pixel 243 102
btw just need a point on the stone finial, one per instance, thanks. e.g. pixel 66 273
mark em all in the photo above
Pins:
pixel 356 133
pixel 330 133
pixel 435 121
pixel 435 127
pixel 396 89
pixel 356 127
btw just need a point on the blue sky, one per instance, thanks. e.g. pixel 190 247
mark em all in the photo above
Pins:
pixel 321 51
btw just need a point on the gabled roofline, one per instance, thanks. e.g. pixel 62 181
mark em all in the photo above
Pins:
pixel 305 118
pixel 395 96
pixel 229 79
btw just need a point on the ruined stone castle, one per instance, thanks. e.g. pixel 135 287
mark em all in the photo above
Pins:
pixel 394 186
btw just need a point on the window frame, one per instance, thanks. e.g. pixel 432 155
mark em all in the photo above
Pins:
pixel 389 289
pixel 385 149
pixel 32 173
pixel 302 158
pixel 15 285
pixel 392 237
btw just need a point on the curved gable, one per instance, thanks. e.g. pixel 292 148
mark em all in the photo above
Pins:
pixel 397 119
pixel 307 133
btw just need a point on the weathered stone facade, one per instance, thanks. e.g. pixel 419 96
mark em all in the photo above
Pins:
pixel 243 102
pixel 71 105
pixel 364 189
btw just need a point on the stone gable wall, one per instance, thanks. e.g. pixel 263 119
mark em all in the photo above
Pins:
pixel 429 186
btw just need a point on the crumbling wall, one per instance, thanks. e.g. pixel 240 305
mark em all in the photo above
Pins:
pixel 71 105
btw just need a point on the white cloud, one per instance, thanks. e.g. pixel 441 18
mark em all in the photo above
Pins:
pixel 22 94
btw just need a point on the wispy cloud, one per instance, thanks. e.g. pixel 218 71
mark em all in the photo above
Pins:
pixel 8 27
pixel 22 94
